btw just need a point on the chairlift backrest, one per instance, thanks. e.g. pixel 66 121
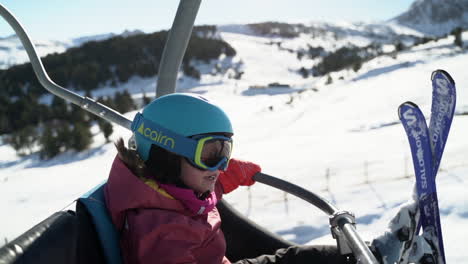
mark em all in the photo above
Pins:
pixel 51 241
pixel 64 237
pixel 95 205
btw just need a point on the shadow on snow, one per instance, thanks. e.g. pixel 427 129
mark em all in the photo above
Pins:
pixel 305 233
pixel 34 161
pixel 270 91
pixel 384 70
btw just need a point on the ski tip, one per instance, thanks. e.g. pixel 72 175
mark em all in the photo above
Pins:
pixel 408 103
pixel 405 105
pixel 446 74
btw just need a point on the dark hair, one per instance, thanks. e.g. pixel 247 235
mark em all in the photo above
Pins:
pixel 162 165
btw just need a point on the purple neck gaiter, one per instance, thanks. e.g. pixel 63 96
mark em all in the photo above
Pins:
pixel 190 200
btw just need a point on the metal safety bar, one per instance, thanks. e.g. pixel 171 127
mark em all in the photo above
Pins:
pixel 342 223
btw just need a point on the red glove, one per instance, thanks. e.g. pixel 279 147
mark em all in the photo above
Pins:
pixel 238 173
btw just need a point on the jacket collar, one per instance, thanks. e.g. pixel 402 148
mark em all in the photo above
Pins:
pixel 126 191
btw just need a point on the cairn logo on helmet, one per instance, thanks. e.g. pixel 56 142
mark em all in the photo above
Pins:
pixel 156 136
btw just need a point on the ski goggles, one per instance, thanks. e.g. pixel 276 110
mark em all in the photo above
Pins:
pixel 212 152
pixel 206 152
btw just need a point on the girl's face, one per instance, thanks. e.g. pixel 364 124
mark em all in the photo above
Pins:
pixel 198 180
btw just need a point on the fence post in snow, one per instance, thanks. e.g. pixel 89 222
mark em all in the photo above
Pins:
pixel 366 172
pixel 406 167
pixel 327 178
pixel 286 206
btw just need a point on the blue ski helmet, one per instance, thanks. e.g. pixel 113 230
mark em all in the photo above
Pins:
pixel 184 114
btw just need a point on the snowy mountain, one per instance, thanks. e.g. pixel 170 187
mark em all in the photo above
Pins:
pixel 330 35
pixel 435 17
pixel 341 140
pixel 81 40
pixel 12 51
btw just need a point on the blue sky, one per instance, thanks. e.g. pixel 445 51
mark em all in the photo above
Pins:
pixel 54 19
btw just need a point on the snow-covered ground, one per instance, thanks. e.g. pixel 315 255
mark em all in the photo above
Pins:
pixel 336 140
pixel 12 51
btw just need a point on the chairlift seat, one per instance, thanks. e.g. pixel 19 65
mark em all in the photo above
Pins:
pixel 87 235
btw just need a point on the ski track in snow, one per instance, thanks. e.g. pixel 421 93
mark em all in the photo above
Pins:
pixel 337 131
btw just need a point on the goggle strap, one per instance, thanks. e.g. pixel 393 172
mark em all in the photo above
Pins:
pixel 156 134
pixel 190 148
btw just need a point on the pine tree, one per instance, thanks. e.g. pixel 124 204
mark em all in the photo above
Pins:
pixel 357 66
pixel 146 99
pixel 59 108
pixel 457 33
pixel 304 72
pixel 106 128
pixel 64 135
pixel 81 137
pixel 123 102
pixel 48 143
pixel 23 140
pixel 399 46
pixel 191 71
pixel 78 115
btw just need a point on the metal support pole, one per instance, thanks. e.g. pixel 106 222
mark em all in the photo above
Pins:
pixel 176 44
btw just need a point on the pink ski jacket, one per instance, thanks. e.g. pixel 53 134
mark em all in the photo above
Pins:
pixel 156 228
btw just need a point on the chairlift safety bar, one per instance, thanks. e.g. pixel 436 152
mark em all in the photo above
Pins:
pixel 342 222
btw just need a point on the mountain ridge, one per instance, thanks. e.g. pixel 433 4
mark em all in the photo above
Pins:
pixel 435 17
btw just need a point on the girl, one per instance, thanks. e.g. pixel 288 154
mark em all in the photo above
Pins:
pixel 162 196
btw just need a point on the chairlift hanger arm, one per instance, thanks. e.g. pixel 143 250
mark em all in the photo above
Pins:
pixel 176 44
pixel 172 57
pixel 84 102
pixel 341 222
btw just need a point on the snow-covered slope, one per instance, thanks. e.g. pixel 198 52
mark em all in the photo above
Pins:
pixel 12 51
pixel 339 140
pixel 329 35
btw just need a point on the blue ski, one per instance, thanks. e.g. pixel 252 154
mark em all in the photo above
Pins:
pixel 397 245
pixel 418 135
pixel 401 243
pixel 442 111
